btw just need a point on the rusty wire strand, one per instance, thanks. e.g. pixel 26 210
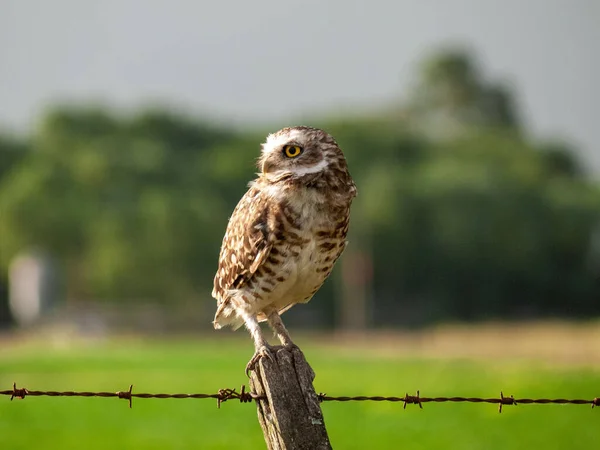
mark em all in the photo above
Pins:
pixel 418 400
pixel 221 396
pixel 246 397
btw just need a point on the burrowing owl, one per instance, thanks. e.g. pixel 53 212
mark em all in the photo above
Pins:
pixel 285 234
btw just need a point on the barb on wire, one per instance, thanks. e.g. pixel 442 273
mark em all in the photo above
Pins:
pixel 223 395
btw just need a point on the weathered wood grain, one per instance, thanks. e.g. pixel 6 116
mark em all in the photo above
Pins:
pixel 290 415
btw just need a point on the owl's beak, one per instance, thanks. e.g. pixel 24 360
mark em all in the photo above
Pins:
pixel 267 166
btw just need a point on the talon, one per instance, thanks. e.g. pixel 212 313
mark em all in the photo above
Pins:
pixel 264 351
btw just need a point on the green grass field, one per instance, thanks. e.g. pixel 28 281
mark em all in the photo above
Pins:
pixel 205 365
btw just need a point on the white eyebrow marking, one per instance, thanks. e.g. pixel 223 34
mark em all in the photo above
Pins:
pixel 274 142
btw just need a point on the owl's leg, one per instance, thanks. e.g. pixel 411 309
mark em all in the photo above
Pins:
pixel 261 346
pixel 280 330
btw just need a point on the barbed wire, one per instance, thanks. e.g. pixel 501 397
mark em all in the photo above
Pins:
pixel 222 395
pixel 502 400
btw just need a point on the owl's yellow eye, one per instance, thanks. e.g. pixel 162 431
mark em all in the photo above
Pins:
pixel 291 151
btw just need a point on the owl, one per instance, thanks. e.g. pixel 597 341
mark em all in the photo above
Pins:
pixel 285 234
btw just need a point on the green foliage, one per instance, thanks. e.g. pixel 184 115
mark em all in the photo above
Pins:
pixel 11 153
pixel 451 95
pixel 463 217
pixel 127 205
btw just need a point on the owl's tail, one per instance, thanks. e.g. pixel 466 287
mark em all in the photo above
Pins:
pixel 227 316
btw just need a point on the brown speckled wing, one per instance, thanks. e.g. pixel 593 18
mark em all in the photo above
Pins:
pixel 246 245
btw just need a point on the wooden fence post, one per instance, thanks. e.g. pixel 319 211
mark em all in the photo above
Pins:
pixel 290 414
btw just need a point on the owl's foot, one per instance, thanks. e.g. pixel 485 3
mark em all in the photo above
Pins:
pixel 264 351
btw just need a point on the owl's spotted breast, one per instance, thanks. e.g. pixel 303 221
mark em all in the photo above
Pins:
pixel 309 242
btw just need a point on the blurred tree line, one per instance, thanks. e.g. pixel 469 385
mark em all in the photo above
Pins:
pixel 459 215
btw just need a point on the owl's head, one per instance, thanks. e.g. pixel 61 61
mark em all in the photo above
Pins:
pixel 298 152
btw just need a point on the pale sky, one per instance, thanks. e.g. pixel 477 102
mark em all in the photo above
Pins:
pixel 275 61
